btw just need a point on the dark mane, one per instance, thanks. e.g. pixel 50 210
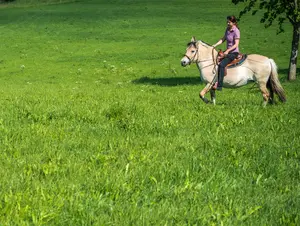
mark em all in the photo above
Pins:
pixel 206 43
pixel 195 43
pixel 192 43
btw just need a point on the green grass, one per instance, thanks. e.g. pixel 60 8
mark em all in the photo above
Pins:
pixel 100 125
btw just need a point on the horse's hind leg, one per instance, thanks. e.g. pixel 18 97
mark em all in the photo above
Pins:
pixel 265 93
pixel 213 96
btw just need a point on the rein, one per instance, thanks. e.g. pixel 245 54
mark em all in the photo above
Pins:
pixel 215 62
pixel 214 70
pixel 191 59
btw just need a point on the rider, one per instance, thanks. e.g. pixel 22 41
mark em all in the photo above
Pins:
pixel 232 37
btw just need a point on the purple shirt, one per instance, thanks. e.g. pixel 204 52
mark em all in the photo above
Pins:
pixel 230 36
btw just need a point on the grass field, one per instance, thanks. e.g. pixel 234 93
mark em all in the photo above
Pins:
pixel 100 125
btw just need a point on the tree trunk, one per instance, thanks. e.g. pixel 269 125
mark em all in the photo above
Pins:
pixel 294 52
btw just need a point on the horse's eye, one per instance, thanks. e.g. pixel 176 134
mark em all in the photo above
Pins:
pixel 193 51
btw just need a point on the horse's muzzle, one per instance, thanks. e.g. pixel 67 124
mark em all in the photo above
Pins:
pixel 185 61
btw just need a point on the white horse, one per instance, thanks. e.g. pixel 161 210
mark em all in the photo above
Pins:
pixel 257 68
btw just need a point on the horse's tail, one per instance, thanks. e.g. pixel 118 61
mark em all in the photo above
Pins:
pixel 275 83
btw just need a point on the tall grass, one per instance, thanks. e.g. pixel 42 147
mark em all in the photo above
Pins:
pixel 100 125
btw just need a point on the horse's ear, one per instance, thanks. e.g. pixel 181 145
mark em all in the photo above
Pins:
pixel 193 39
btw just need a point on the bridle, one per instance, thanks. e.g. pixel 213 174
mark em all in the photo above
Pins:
pixel 191 59
pixel 199 61
pixel 213 58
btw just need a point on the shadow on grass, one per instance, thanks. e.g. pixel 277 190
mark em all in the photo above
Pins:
pixel 172 81
pixel 284 73
pixel 177 81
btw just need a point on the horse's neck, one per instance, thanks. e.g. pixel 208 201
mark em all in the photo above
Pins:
pixel 206 56
pixel 207 62
pixel 206 53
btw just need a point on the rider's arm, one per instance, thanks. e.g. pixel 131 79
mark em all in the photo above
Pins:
pixel 220 41
pixel 237 41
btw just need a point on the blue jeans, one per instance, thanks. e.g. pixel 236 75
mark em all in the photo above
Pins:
pixel 221 69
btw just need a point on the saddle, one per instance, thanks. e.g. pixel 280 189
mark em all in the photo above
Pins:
pixel 236 62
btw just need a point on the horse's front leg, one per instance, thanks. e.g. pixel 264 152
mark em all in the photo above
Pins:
pixel 213 96
pixel 203 92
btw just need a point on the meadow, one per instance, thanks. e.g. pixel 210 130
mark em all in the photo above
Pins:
pixel 100 125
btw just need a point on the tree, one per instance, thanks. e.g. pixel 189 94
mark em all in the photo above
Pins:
pixel 281 10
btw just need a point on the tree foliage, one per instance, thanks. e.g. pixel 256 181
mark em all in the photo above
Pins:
pixel 281 10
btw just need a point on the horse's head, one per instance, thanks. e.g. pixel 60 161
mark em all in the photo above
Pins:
pixel 191 53
pixel 198 51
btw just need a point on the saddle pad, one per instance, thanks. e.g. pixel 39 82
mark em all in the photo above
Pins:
pixel 236 63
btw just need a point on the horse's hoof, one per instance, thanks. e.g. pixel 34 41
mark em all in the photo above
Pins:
pixel 205 100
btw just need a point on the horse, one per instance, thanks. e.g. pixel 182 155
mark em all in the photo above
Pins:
pixel 255 68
